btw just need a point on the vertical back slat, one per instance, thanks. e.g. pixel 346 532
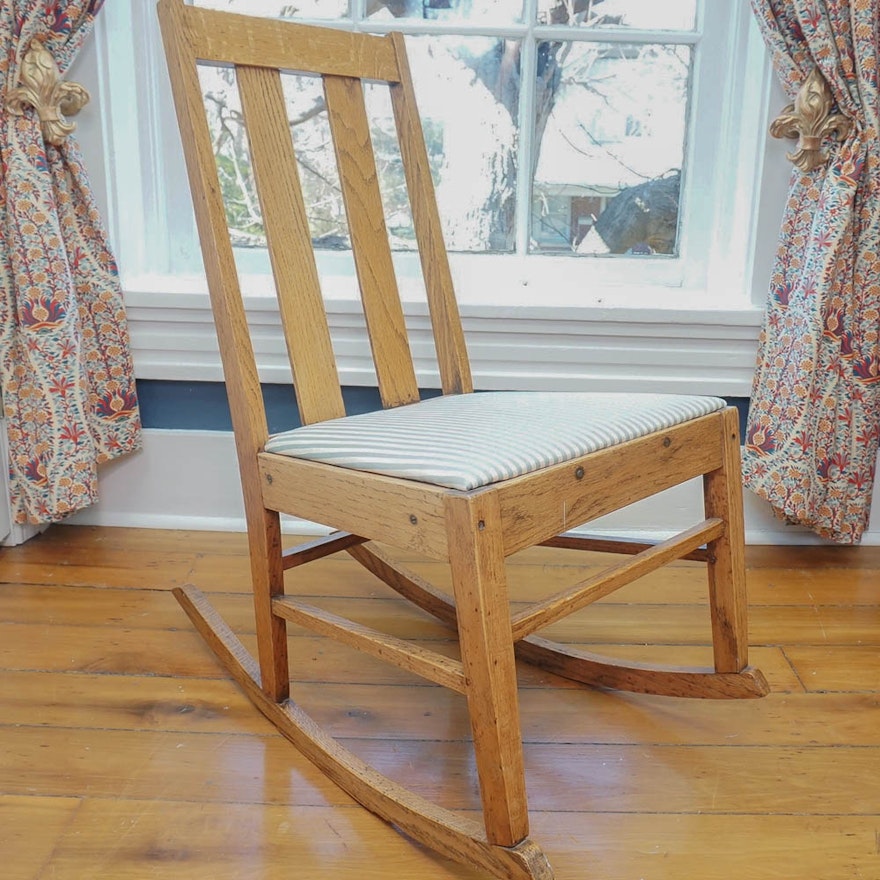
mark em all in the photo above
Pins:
pixel 239 364
pixel 300 302
pixel 455 371
pixel 369 240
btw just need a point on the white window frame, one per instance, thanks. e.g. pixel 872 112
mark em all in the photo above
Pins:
pixel 569 323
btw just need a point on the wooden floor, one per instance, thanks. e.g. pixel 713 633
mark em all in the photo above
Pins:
pixel 126 753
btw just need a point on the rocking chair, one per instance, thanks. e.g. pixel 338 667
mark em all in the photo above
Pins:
pixel 465 478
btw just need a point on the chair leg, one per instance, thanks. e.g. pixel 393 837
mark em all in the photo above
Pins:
pixel 726 566
pixel 267 573
pixel 480 587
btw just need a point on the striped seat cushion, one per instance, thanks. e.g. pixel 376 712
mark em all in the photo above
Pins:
pixel 464 441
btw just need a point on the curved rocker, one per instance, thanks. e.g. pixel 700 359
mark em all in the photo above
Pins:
pixel 569 662
pixel 439 829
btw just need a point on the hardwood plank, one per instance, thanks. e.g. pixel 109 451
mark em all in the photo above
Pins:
pixel 156 764
pixel 131 839
pixel 314 659
pixel 813 586
pixel 796 556
pixel 560 716
pixel 105 649
pixel 602 623
pixel 130 702
pixel 105 567
pixel 210 705
pixel 851 668
pixel 30 828
pixel 222 768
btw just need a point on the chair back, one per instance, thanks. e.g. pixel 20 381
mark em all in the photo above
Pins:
pixel 260 51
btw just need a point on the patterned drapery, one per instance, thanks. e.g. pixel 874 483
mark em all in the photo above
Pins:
pixel 65 365
pixel 812 434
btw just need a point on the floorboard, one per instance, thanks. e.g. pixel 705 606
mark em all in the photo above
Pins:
pixel 126 753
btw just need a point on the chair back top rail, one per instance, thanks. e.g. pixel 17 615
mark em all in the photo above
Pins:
pixel 261 50
pixel 229 38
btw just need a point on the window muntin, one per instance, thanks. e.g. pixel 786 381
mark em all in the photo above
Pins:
pixel 636 14
pixel 150 211
pixel 602 119
pixel 316 9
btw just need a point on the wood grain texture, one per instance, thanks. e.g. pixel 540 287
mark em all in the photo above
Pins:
pixel 365 212
pixel 406 655
pixel 267 42
pixel 437 828
pixel 728 602
pixel 124 751
pixel 476 555
pixel 604 583
pixel 298 289
pixel 452 357
pixel 538 506
pixel 402 512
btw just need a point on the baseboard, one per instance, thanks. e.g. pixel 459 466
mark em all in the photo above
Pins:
pixel 189 480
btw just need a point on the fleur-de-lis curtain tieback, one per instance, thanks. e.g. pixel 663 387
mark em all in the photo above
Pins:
pixel 810 120
pixel 41 87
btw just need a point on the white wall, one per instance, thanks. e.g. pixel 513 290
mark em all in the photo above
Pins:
pixel 189 479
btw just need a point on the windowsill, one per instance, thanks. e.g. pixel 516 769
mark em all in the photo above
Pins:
pixel 623 303
pixel 607 344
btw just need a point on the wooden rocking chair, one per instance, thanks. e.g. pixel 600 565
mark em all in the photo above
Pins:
pixel 465 478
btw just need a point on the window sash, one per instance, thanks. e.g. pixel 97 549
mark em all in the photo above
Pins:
pixel 704 319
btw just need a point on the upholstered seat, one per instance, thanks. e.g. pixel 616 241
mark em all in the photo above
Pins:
pixel 464 441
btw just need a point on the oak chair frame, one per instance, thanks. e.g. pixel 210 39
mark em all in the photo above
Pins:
pixel 473 531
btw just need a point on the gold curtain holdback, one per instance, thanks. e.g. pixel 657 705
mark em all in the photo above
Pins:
pixel 809 119
pixel 41 87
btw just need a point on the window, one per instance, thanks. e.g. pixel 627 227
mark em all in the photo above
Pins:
pixel 599 166
pixel 582 115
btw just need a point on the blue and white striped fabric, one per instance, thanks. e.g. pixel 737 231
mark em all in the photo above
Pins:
pixel 464 441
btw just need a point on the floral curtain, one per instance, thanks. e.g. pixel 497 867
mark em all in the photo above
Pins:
pixel 65 366
pixel 812 434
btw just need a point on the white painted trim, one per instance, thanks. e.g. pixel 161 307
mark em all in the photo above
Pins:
pixel 511 347
pixel 608 336
pixel 189 480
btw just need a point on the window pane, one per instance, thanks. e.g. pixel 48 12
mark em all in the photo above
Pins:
pixel 468 94
pixel 610 131
pixel 319 9
pixel 642 14
pixel 233 162
pixel 471 143
pixel 497 12
pixel 315 160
